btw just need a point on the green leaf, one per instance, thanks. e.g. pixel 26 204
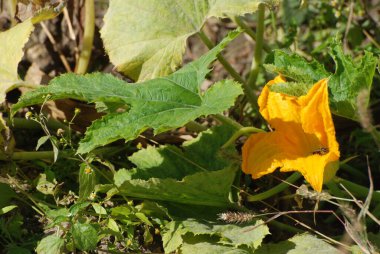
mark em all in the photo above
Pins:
pixel 14 249
pixel 350 77
pixel 299 244
pixel 203 188
pixel 85 236
pixel 42 140
pixel 87 181
pixel 212 248
pixel 99 209
pixel 78 207
pixel 161 104
pixel 12 42
pixel 293 66
pixel 143 45
pixel 51 244
pixel 224 234
pixel 7 209
pixel 6 194
pixel 197 175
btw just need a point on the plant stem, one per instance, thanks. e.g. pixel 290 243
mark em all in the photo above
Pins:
pixel 221 59
pixel 258 54
pixel 12 11
pixel 238 20
pixel 88 37
pixel 195 127
pixel 39 155
pixel 360 191
pixel 243 131
pixel 22 123
pixel 247 90
pixel 277 189
pixel 228 121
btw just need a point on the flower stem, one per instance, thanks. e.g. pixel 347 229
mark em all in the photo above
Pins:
pixel 22 123
pixel 247 90
pixel 258 54
pixel 359 190
pixel 277 189
pixel 39 155
pixel 88 37
pixel 195 126
pixel 228 121
pixel 243 131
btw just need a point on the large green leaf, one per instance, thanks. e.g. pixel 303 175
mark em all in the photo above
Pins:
pixel 161 104
pixel 202 188
pixel 176 234
pixel 146 39
pixel 212 248
pixel 350 78
pixel 345 84
pixel 194 175
pixel 299 244
pixel 295 67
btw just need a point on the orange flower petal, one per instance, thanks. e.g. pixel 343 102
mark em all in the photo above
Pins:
pixel 303 140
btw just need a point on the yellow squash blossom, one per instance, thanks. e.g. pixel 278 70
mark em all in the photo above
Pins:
pixel 303 138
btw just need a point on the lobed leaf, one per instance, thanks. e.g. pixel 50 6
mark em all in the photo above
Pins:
pixel 12 42
pixel 218 235
pixel 349 79
pixel 161 104
pixel 143 45
pixel 194 175
pixel 299 244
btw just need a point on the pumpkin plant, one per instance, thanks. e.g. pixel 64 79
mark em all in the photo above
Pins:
pixel 223 184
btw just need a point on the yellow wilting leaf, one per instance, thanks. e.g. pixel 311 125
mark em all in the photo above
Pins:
pixel 12 42
pixel 303 138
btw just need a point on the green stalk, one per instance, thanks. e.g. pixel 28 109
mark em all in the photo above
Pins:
pixel 195 127
pixel 356 189
pixel 258 54
pixel 221 59
pixel 228 121
pixel 39 155
pixel 22 123
pixel 88 37
pixel 247 90
pixel 238 20
pixel 277 189
pixel 12 11
pixel 243 131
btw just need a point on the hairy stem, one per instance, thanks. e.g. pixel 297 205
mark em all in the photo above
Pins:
pixel 238 20
pixel 88 37
pixel 247 90
pixel 228 121
pixel 258 54
pixel 277 189
pixel 243 131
